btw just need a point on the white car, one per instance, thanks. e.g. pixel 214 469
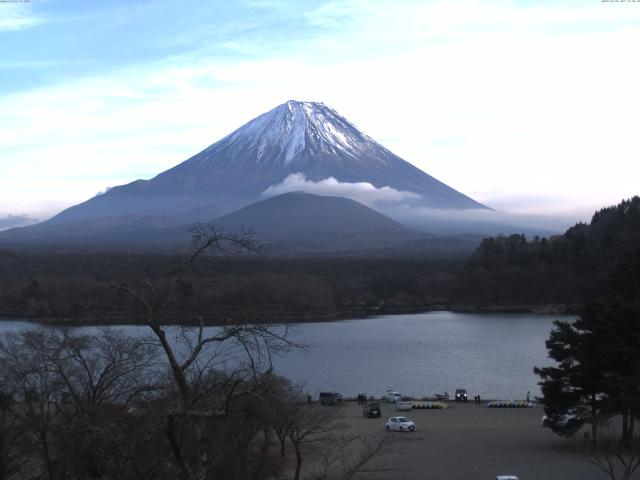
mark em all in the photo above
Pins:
pixel 562 420
pixel 400 424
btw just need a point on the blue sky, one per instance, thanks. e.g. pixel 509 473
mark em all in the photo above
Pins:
pixel 530 107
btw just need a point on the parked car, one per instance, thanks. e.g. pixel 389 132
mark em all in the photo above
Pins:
pixel 506 477
pixel 400 424
pixel 562 420
pixel 330 398
pixel 393 396
pixel 461 395
pixel 404 405
pixel 371 410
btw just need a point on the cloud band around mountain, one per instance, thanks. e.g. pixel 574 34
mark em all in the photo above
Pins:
pixel 12 221
pixel 363 192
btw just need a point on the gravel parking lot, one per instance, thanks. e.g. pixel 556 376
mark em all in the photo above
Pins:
pixel 467 441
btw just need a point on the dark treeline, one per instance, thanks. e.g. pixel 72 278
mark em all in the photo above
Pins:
pixel 78 287
pixel 567 269
pixel 506 272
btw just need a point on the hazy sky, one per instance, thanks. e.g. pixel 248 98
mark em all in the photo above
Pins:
pixel 526 106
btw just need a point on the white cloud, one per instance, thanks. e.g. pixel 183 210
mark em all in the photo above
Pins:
pixel 362 192
pixel 17 16
pixel 489 222
pixel 537 204
pixel 12 221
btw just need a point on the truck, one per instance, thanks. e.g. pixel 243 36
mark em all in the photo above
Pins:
pixel 393 396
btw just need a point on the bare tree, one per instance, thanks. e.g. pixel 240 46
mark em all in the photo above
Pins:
pixel 72 396
pixel 9 436
pixel 342 457
pixel 246 349
pixel 104 376
pixel 283 401
pixel 107 368
pixel 109 406
pixel 37 389
pixel 618 459
pixel 309 425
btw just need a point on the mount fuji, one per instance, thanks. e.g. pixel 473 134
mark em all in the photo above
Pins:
pixel 297 146
pixel 294 140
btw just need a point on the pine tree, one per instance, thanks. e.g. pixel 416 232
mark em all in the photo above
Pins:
pixel 597 371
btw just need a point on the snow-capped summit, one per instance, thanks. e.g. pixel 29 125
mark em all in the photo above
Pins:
pixel 290 131
pixel 296 146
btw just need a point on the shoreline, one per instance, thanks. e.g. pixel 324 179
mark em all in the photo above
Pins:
pixel 306 317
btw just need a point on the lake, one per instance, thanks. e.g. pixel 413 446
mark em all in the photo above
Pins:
pixel 420 354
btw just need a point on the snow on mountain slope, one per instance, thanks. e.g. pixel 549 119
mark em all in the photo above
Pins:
pixel 285 133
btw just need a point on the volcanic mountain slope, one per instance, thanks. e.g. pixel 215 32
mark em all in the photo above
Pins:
pixel 298 221
pixel 294 138
pixel 299 213
pixel 293 223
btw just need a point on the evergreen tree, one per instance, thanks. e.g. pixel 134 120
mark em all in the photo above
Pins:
pixel 618 328
pixel 576 383
pixel 597 371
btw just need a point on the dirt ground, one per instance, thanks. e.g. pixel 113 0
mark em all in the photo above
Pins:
pixel 467 441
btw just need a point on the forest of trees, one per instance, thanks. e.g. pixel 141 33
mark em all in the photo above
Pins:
pixel 506 272
pixel 77 287
pixel 566 269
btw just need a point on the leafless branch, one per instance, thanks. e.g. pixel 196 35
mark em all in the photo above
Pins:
pixel 617 460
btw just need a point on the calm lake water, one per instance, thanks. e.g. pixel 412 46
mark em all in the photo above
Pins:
pixel 488 354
